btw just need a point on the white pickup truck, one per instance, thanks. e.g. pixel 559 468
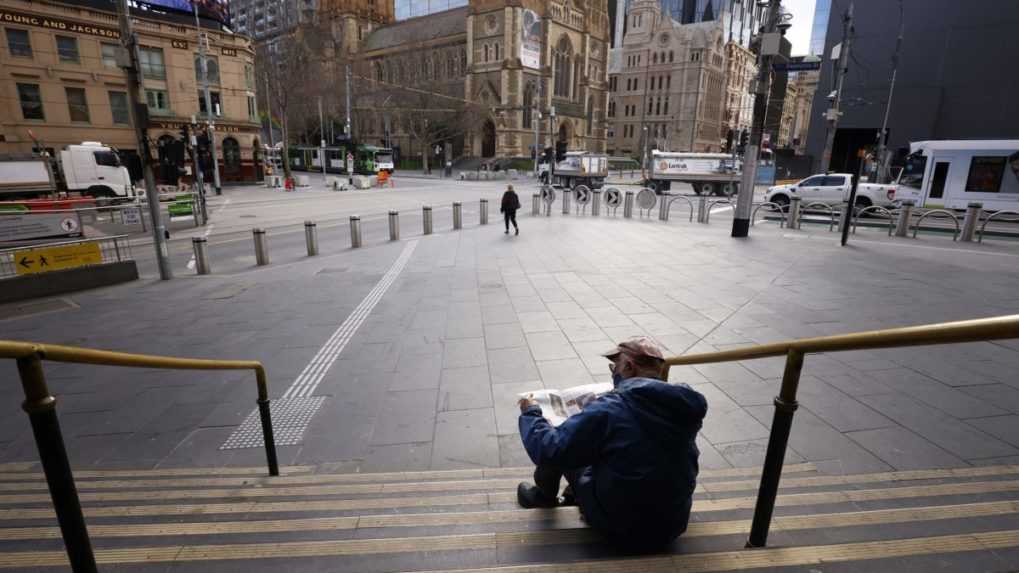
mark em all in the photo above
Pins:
pixel 832 189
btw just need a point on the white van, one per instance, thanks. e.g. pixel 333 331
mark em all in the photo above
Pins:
pixel 952 173
pixel 95 169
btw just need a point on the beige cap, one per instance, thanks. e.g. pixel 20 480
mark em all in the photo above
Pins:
pixel 637 347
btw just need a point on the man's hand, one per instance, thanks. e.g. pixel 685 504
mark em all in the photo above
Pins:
pixel 526 402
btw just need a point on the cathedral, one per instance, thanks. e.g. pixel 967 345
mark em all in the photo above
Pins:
pixel 483 80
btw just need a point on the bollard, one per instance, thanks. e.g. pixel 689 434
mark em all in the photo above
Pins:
pixel 311 237
pixel 394 225
pixel 628 205
pixel 567 193
pixel 905 214
pixel 536 204
pixel 355 232
pixel 969 225
pixel 794 213
pixel 484 212
pixel 663 208
pixel 426 219
pixel 201 246
pixel 457 215
pixel 261 247
pixel 702 208
pixel 595 203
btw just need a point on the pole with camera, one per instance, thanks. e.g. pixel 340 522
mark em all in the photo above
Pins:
pixel 769 44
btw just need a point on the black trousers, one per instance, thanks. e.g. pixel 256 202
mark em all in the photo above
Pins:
pixel 547 479
pixel 510 216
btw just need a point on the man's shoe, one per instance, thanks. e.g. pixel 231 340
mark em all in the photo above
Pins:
pixel 568 498
pixel 518 231
pixel 506 232
pixel 529 496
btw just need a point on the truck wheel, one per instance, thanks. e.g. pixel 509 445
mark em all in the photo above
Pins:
pixel 719 190
pixel 730 189
pixel 704 188
pixel 99 191
pixel 861 204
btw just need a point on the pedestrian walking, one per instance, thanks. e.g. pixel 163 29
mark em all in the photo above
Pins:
pixel 510 204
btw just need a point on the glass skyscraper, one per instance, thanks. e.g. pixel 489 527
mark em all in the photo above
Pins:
pixel 413 8
pixel 819 28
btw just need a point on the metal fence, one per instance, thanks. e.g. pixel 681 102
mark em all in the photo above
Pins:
pixel 113 249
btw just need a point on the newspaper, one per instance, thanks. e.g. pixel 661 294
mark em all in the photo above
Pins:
pixel 557 405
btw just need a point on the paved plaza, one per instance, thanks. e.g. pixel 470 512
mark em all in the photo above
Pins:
pixel 426 341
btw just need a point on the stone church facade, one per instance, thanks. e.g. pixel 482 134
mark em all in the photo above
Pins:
pixel 472 57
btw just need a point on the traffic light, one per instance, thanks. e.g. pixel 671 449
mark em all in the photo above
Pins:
pixel 184 133
pixel 560 151
pixel 744 139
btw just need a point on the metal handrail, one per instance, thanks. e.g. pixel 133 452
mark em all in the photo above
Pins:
pixel 943 214
pixel 996 328
pixel 874 208
pixel 980 235
pixel 830 208
pixel 774 207
pixel 707 211
pixel 40 405
pixel 674 198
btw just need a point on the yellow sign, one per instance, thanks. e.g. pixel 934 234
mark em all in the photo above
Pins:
pixel 42 260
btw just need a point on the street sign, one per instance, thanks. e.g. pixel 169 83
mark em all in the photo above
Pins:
pixel 350 163
pixel 796 66
pixel 583 195
pixel 132 216
pixel 46 259
pixel 547 194
pixel 24 226
pixel 646 199
pixel 613 198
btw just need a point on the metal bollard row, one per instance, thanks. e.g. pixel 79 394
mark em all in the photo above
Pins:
pixel 974 211
pixel 536 204
pixel 628 205
pixel 794 213
pixel 905 214
pixel 426 219
pixel 595 203
pixel 457 215
pixel 483 216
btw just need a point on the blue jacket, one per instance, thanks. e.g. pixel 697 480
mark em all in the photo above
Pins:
pixel 638 458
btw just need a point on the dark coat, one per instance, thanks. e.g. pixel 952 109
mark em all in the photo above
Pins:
pixel 638 458
pixel 510 202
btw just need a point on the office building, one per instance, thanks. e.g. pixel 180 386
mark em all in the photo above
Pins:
pixel 819 27
pixel 413 8
pixel 62 85
pixel 955 76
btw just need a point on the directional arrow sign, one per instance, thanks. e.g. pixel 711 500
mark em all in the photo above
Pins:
pixel 583 195
pixel 548 194
pixel 25 262
pixel 613 197
pixel 57 258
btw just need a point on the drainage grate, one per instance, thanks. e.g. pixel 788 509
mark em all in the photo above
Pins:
pixel 290 418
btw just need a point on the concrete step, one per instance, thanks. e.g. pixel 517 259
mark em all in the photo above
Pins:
pixel 310 519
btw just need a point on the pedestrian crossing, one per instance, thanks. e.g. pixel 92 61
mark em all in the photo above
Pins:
pixel 310 519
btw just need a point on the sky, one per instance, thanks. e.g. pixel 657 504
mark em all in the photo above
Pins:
pixel 803 17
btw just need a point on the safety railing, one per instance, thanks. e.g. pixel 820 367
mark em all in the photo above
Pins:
pixel 997 328
pixel 833 213
pixel 40 405
pixel 112 249
pixel 938 214
pixel 711 204
pixel 775 207
pixel 980 235
pixel 875 209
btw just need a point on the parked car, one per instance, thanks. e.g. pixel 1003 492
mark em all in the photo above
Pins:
pixel 832 189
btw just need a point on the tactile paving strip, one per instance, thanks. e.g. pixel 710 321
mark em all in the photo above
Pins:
pixel 290 418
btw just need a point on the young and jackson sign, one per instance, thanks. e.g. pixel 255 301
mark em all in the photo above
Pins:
pixel 59 24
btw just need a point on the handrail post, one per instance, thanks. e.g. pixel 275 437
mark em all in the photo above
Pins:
pixel 785 406
pixel 41 407
pixel 265 415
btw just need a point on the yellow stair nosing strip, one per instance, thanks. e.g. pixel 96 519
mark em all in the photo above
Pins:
pixel 563 520
pixel 690 563
pixel 701 505
pixel 170 472
pixel 268 488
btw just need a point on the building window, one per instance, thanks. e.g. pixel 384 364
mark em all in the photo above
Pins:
pixel 668 82
pixel 31 101
pixel 119 108
pixel 158 102
pixel 670 56
pixel 19 43
pixel 67 49
pixel 217 108
pixel 562 58
pixel 77 104
pixel 151 62
pixel 109 55
pixel 985 174
pixel 485 57
pixel 496 48
pixel 211 66
pixel 666 105
pixel 249 76
pixel 252 108
pixel 528 105
pixel 612 109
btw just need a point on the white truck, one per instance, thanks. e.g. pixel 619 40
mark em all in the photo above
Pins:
pixel 707 173
pixel 832 189
pixel 577 168
pixel 89 168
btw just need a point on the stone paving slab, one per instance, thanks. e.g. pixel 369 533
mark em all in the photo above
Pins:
pixel 430 378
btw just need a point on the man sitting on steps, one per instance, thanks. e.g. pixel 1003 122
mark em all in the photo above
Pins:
pixel 630 456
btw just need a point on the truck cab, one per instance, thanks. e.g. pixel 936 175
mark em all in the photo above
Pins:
pixel 576 168
pixel 95 169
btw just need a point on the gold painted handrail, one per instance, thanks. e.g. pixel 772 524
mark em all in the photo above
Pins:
pixel 996 328
pixel 41 408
